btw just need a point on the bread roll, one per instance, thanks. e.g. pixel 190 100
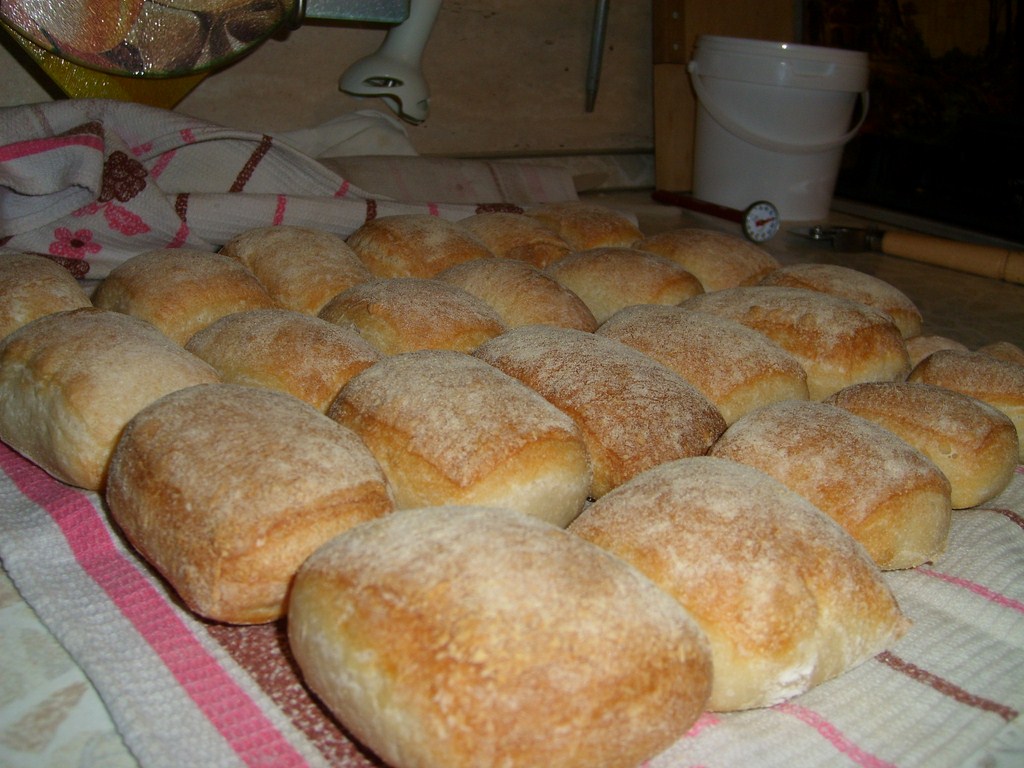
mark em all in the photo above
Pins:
pixel 854 285
pixel 786 597
pixel 180 291
pixel 737 368
pixel 70 381
pixel 521 294
pixel 1004 350
pixel 973 444
pixel 450 429
pixel 717 259
pixel 587 225
pixel 839 342
pixel 284 350
pixel 227 489
pixel 414 245
pixel 517 236
pixel 885 493
pixel 32 286
pixel 406 314
pixel 634 412
pixel 465 637
pixel 608 279
pixel 301 268
pixel 919 347
pixel 999 383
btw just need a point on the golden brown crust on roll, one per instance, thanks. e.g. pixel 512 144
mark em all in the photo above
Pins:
pixel 973 444
pixel 32 286
pixel 717 259
pixel 414 245
pixel 608 279
pixel 839 342
pixel 737 368
pixel 999 383
pixel 919 347
pixel 463 637
pixel 521 294
pixel 1004 350
pixel 587 225
pixel 70 381
pixel 450 429
pixel 301 268
pixel 884 492
pixel 405 314
pixel 288 351
pixel 786 597
pixel 634 412
pixel 181 291
pixel 517 236
pixel 854 285
pixel 227 489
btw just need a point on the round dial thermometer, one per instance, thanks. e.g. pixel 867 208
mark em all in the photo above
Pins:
pixel 761 221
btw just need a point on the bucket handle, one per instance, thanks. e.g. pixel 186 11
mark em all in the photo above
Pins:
pixel 764 142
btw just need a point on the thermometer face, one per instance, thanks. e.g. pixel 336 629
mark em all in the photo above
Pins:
pixel 761 221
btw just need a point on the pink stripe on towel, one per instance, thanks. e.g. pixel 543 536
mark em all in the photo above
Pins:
pixel 978 589
pixel 22 149
pixel 834 736
pixel 231 711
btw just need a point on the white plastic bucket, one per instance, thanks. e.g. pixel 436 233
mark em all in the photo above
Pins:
pixel 772 120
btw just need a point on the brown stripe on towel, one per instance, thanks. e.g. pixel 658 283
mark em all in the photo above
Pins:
pixel 945 687
pixel 250 165
pixel 1009 514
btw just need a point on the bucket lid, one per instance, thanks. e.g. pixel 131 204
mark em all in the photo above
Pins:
pixel 791 65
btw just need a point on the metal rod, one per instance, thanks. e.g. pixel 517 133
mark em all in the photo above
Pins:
pixel 596 51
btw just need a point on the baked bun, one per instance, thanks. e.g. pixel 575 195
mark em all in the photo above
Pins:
pixel 587 225
pixel 180 291
pixel 999 383
pixel 634 412
pixel 70 381
pixel 885 493
pixel 521 294
pixel 405 314
pixel 854 285
pixel 1004 350
pixel 284 350
pixel 737 368
pixel 608 279
pixel 465 637
pixel 717 259
pixel 450 429
pixel 919 347
pixel 227 489
pixel 301 268
pixel 839 342
pixel 517 236
pixel 414 245
pixel 786 597
pixel 973 444
pixel 32 286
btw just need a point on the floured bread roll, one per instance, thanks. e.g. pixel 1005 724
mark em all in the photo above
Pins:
pixel 919 347
pixel 405 314
pixel 973 444
pixel 608 279
pixel 70 381
pixel 521 294
pixel 999 383
pixel 786 597
pixel 466 637
pixel 587 225
pixel 414 245
pixel 737 368
pixel 884 492
pixel 284 350
pixel 32 286
pixel 517 236
pixel 1004 350
pixel 854 285
pixel 450 429
pixel 181 291
pixel 634 412
pixel 717 259
pixel 227 489
pixel 839 342
pixel 301 268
